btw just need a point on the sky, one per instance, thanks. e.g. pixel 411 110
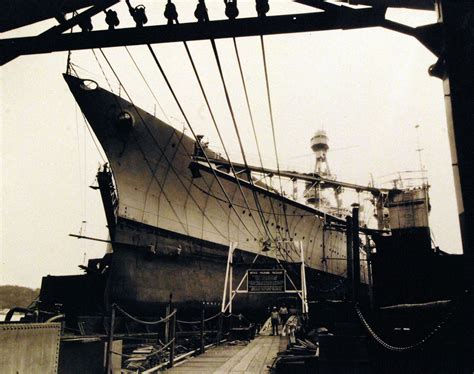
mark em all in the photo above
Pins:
pixel 367 89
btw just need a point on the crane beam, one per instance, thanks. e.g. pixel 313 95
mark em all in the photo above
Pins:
pixel 345 18
pixel 313 178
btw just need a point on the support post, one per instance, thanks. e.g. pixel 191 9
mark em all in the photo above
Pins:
pixel 232 246
pixel 455 68
pixel 368 251
pixel 169 309
pixel 172 338
pixel 304 298
pixel 355 253
pixel 231 271
pixel 349 257
pixel 167 324
pixel 219 328
pixel 202 327
pixel 110 340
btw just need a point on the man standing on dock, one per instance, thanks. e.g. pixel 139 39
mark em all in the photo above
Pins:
pixel 283 314
pixel 275 317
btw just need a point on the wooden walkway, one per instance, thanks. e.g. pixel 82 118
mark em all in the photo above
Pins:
pixel 253 357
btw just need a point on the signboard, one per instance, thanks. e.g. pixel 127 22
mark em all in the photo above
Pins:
pixel 266 281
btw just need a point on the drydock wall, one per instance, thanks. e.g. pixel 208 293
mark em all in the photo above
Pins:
pixel 29 348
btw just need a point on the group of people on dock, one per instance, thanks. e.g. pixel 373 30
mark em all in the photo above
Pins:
pixel 278 316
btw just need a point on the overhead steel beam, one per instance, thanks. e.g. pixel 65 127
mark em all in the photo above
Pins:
pixel 409 4
pixel 11 54
pixel 320 21
pixel 18 13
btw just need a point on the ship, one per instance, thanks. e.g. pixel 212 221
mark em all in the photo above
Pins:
pixel 174 207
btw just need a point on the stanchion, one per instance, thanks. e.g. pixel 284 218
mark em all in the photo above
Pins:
pixel 167 325
pixel 355 253
pixel 349 258
pixel 172 338
pixel 219 328
pixel 110 340
pixel 169 309
pixel 202 327
pixel 231 323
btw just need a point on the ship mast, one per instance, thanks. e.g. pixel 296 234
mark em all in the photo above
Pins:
pixel 314 193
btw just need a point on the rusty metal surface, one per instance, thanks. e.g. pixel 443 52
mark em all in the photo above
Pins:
pixel 29 348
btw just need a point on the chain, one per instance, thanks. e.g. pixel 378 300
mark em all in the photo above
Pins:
pixel 379 340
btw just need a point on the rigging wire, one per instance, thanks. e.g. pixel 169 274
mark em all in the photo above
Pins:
pixel 185 152
pixel 158 162
pixel 270 108
pixel 92 137
pixel 231 110
pixel 251 118
pixel 195 136
pixel 140 148
pixel 230 107
pixel 102 70
pixel 267 84
pixel 166 158
pixel 146 83
pixel 91 74
pixel 218 131
pixel 79 158
pixel 174 17
pixel 85 166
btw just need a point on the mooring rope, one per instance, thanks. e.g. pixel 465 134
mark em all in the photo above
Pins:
pixel 196 322
pixel 162 320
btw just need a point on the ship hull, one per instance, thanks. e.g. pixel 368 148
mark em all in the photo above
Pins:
pixel 144 280
pixel 167 221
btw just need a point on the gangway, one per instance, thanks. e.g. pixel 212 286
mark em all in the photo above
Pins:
pixel 230 292
pixel 254 357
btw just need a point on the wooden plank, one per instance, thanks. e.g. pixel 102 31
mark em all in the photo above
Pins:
pixel 251 358
pixel 258 364
pixel 272 352
pixel 243 364
pixel 234 360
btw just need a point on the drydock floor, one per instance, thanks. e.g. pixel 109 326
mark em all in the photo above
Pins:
pixel 254 357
